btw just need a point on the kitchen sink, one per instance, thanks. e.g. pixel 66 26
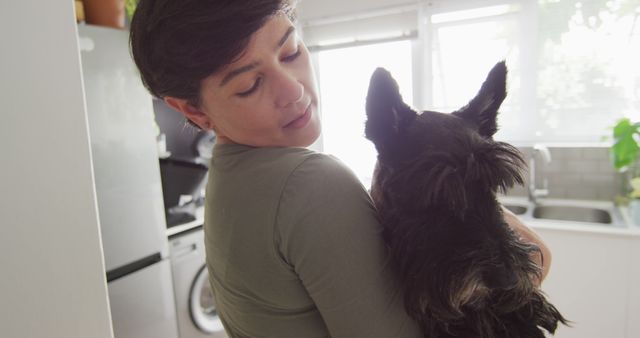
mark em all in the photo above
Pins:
pixel 565 212
pixel 516 209
pixel 572 213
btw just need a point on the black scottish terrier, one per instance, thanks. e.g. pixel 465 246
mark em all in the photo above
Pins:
pixel 464 272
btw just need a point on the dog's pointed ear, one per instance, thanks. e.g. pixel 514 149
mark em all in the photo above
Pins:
pixel 482 111
pixel 387 114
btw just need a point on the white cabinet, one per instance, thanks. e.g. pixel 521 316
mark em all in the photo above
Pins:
pixel 633 328
pixel 590 282
pixel 142 304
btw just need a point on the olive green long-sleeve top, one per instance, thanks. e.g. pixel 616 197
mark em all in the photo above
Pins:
pixel 294 248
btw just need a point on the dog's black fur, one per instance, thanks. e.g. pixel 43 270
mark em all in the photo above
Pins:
pixel 464 272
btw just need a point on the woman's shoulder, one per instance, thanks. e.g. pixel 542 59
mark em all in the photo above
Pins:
pixel 322 180
pixel 234 155
pixel 319 169
pixel 278 169
pixel 298 162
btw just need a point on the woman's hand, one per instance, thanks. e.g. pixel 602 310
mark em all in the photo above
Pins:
pixel 528 235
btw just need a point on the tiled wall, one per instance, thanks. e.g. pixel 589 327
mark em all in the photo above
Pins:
pixel 577 173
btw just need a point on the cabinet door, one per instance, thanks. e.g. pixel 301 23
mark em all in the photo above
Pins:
pixel 143 305
pixel 634 290
pixel 589 282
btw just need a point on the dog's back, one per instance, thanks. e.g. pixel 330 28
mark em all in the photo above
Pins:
pixel 464 272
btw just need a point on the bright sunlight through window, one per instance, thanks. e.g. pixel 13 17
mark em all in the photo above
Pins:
pixel 344 79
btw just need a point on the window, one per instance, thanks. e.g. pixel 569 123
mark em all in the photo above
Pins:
pixel 574 66
pixel 588 69
pixel 465 44
pixel 344 79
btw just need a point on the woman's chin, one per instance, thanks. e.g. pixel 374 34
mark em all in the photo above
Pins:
pixel 311 135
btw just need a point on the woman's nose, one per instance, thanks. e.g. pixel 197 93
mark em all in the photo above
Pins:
pixel 288 89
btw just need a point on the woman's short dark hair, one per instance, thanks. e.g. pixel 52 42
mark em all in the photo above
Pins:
pixel 178 43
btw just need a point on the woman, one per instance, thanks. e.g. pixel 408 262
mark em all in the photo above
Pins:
pixel 293 245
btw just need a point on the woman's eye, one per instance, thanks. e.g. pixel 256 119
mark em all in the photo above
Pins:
pixel 293 56
pixel 252 89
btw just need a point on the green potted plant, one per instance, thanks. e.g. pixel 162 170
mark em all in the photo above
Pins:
pixel 625 148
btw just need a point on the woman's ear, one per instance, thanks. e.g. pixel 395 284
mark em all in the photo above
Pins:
pixel 194 114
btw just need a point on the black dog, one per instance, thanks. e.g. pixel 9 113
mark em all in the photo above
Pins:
pixel 464 271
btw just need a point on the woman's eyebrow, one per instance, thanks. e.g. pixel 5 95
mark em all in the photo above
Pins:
pixel 253 65
pixel 237 72
pixel 286 36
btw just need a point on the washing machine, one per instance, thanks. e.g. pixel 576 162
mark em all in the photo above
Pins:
pixel 195 304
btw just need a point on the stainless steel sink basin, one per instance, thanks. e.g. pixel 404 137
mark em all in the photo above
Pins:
pixel 516 209
pixel 572 213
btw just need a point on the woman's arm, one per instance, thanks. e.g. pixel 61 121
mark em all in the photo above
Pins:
pixel 528 235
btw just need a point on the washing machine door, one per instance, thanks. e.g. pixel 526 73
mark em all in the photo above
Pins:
pixel 202 304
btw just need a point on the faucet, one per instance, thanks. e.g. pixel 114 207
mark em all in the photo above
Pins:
pixel 534 191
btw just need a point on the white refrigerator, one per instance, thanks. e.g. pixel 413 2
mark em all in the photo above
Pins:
pixel 128 187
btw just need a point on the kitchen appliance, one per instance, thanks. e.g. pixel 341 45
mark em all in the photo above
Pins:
pixel 184 168
pixel 128 187
pixel 195 305
pixel 183 184
pixel 184 142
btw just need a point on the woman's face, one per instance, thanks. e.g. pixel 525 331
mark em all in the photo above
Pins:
pixel 266 98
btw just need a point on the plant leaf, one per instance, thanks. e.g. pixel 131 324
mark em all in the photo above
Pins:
pixel 625 148
pixel 130 7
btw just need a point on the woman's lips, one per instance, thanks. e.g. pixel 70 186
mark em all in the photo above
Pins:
pixel 300 121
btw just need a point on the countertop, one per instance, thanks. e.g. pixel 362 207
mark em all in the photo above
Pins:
pixel 199 221
pixel 621 221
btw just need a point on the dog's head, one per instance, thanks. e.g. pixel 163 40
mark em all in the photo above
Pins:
pixel 445 157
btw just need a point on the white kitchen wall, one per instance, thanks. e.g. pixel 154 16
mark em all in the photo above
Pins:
pixel 53 282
